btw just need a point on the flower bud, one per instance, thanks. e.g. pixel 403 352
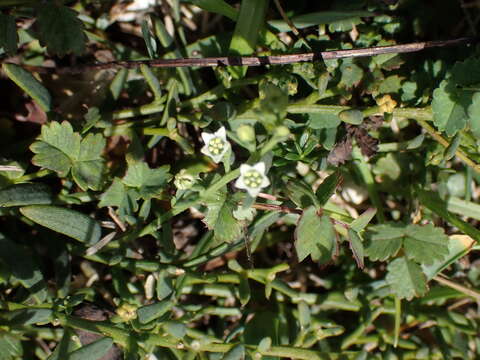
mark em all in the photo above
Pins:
pixel 246 133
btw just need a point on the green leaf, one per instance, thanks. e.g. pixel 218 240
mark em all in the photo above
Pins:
pixel 27 316
pixel 354 117
pixel 152 81
pixel 352 74
pixel 154 311
pixel 10 346
pixel 323 120
pixel 89 167
pixel 60 30
pixel 65 221
pixel 425 244
pixel 327 188
pixel 384 241
pixel 148 182
pixel 433 202
pixel 406 279
pixel 362 221
pixel 28 83
pixel 25 194
pixel 458 246
pixel 8 34
pixel 24 268
pixel 56 147
pixel 115 195
pixel 449 107
pixel 356 245
pixel 220 217
pixel 474 115
pixel 301 194
pixel 60 149
pixel 92 351
pixel 249 24
pixel 235 353
pixel 314 236
pixel 318 18
pixel 465 73
pixel 218 7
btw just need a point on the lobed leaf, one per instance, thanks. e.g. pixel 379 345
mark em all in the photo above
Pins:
pixel 314 236
pixel 60 30
pixel 406 279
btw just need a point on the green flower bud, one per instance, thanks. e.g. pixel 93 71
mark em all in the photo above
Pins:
pixel 246 133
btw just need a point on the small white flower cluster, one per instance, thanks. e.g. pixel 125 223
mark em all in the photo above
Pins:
pixel 252 177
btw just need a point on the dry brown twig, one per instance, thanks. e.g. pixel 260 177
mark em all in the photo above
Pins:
pixel 255 60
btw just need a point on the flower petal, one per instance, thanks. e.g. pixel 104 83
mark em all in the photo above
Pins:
pixel 207 137
pixel 221 133
pixel 244 168
pixel 240 184
pixel 260 167
pixel 265 182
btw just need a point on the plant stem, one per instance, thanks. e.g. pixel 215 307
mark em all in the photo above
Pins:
pixel 35 175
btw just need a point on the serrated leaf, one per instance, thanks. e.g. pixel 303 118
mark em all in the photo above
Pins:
pixel 383 241
pixel 314 236
pixel 60 30
pixel 56 147
pixel 89 167
pixel 8 34
pixel 351 74
pixel 148 182
pixel 425 244
pixel 115 194
pixel 25 194
pixel 28 83
pixel 65 221
pixel 220 217
pixel 449 109
pixel 458 246
pixel 406 279
pixel 92 351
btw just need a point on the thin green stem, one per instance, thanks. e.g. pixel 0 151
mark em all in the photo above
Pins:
pixel 35 175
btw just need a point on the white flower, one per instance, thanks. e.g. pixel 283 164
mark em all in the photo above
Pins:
pixel 252 178
pixel 216 144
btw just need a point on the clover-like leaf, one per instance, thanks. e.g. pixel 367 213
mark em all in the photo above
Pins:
pixel 384 241
pixel 220 218
pixel 60 149
pixel 314 236
pixel 406 278
pixel 60 30
pixel 56 147
pixel 88 169
pixel 148 182
pixel 425 244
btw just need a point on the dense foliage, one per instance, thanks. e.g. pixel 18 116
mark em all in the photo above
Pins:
pixel 315 210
